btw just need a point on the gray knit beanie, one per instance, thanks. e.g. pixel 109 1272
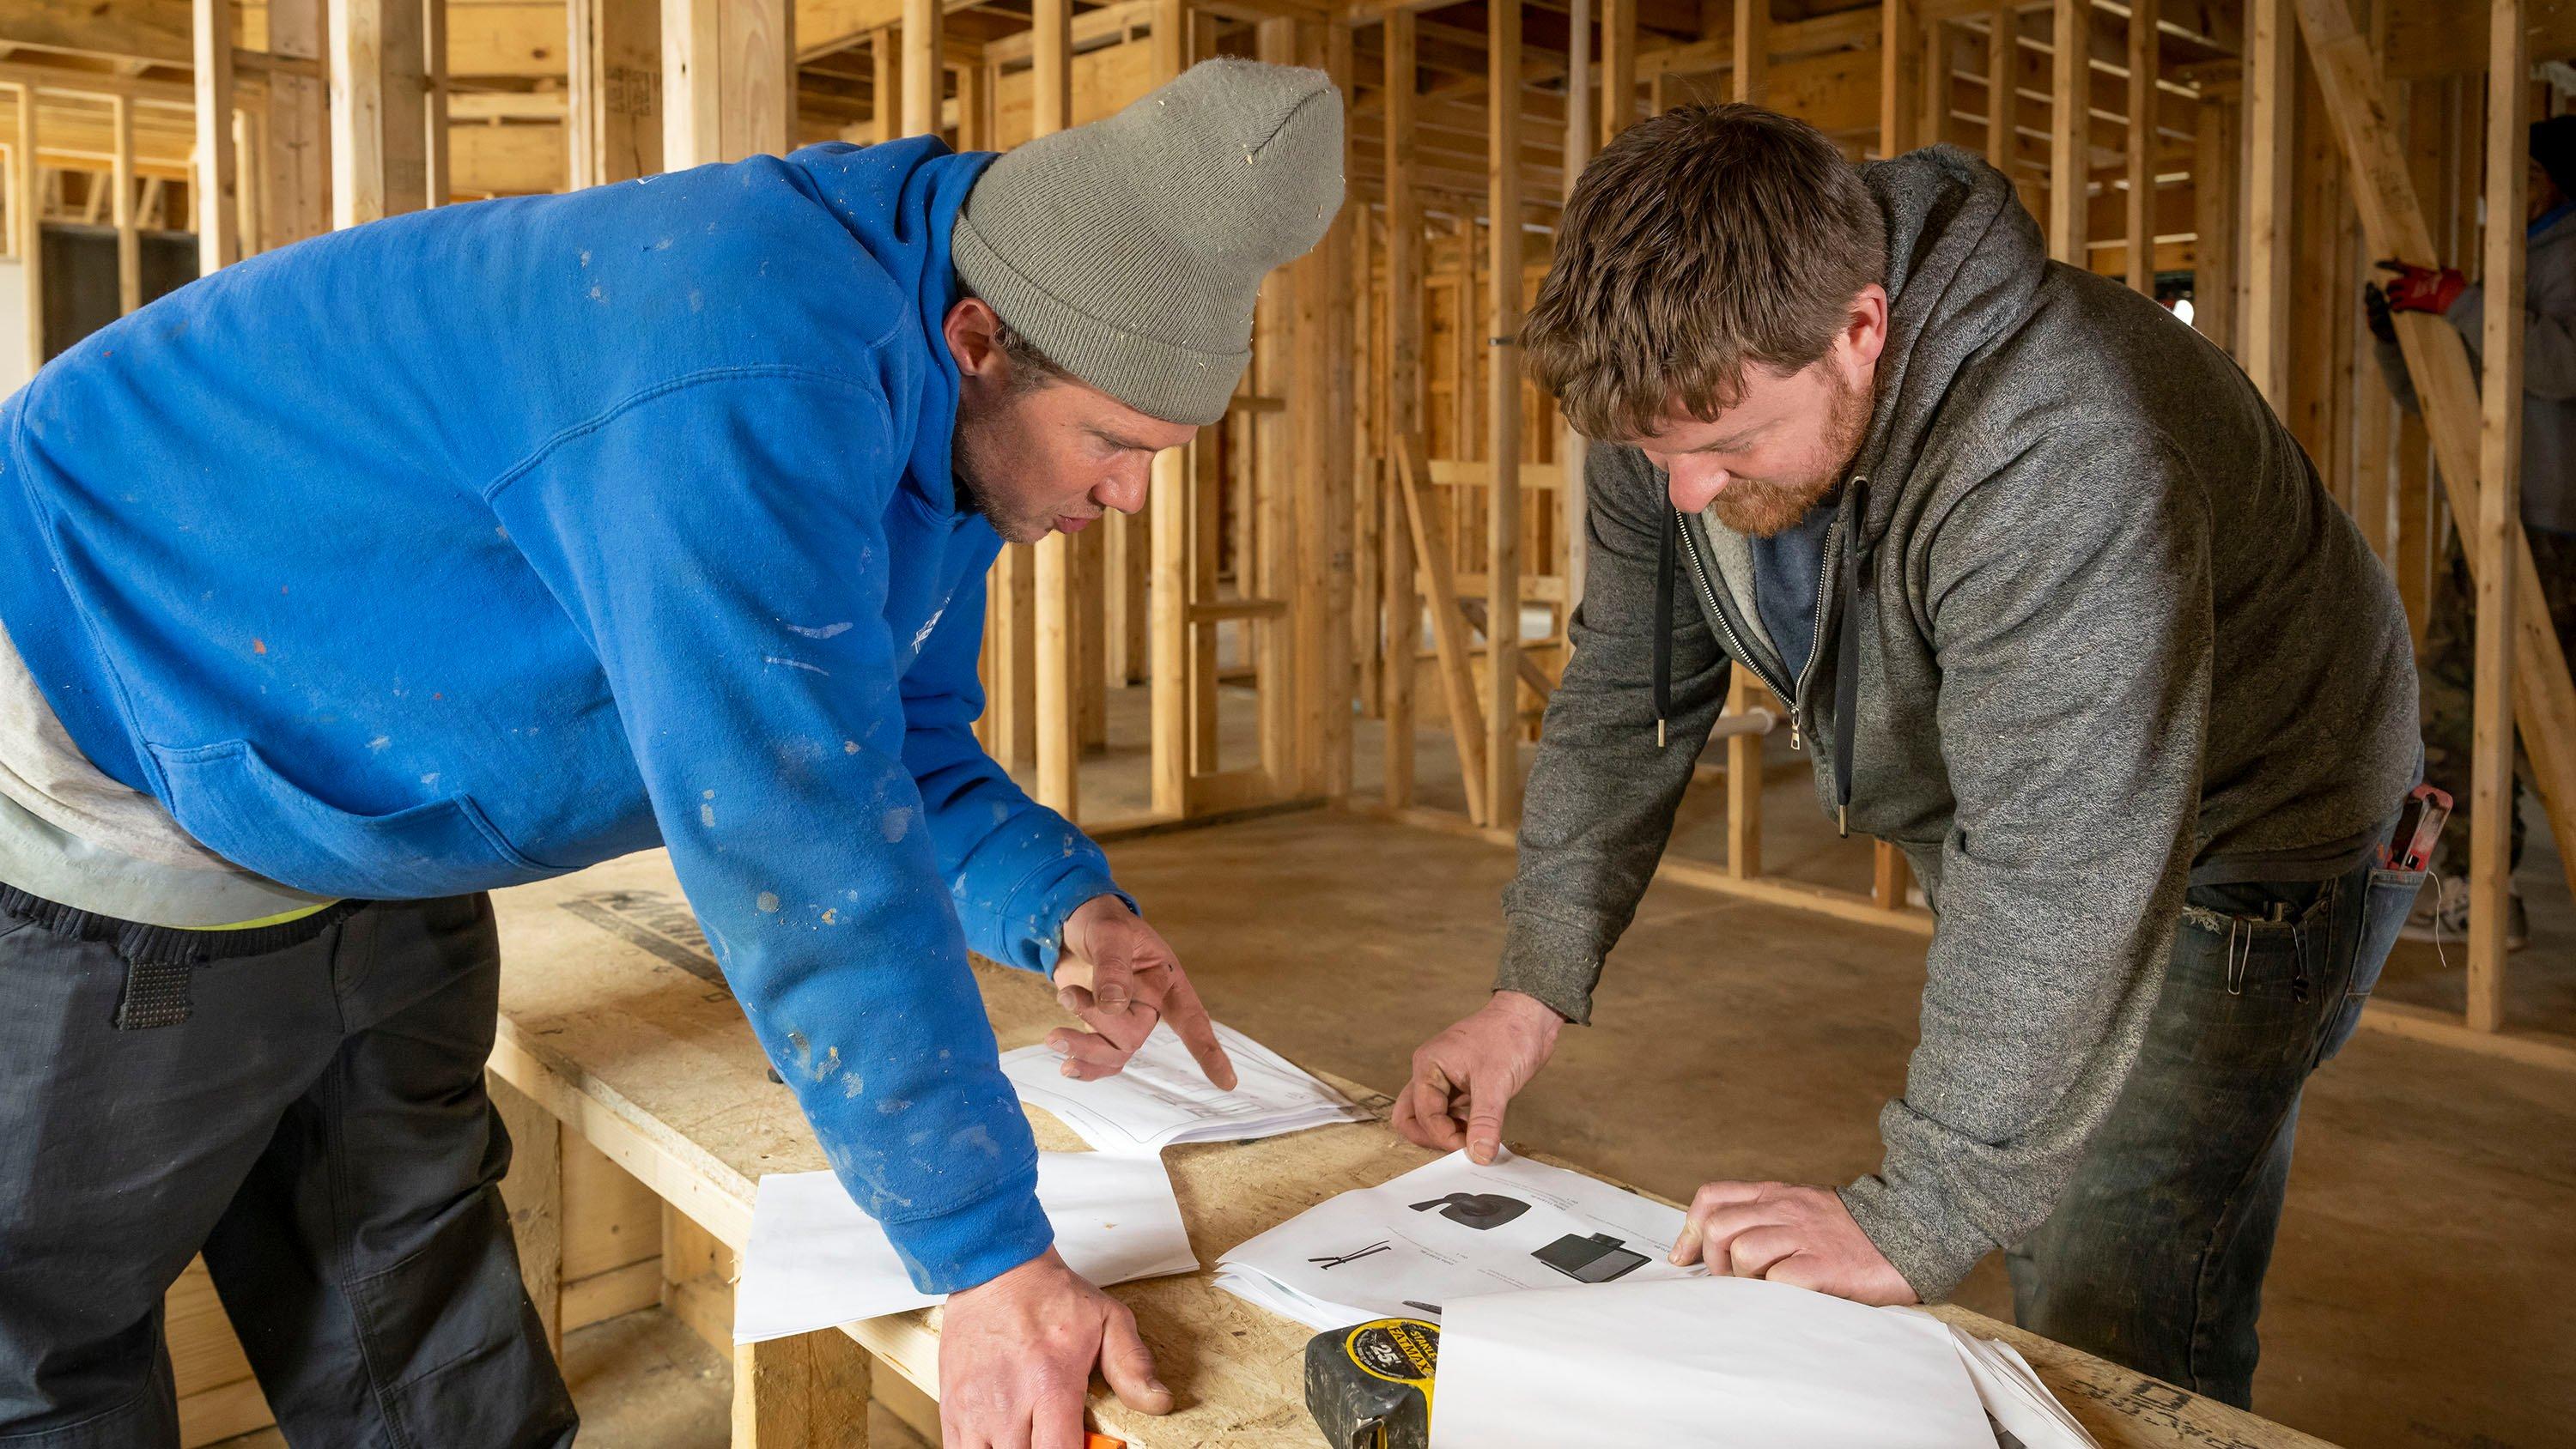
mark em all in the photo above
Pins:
pixel 1130 250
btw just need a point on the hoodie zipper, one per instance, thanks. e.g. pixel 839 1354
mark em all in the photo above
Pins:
pixel 1796 692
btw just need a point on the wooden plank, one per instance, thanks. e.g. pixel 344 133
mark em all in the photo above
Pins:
pixel 129 241
pixel 1478 474
pixel 2143 64
pixel 1448 627
pixel 2434 38
pixel 1752 48
pixel 924 78
pixel 1337 395
pixel 2270 96
pixel 379 110
pixel 1890 874
pixel 533 1193
pixel 226 1411
pixel 1403 404
pixel 2003 98
pixel 1575 537
pixel 215 187
pixel 296 161
pixel 2070 80
pixel 1743 780
pixel 1058 745
pixel 615 80
pixel 1900 76
pixel 26 211
pixel 2498 520
pixel 1618 67
pixel 1169 544
pixel 2437 361
pixel 611 1292
pixel 2213 195
pixel 2554 1051
pixel 1503 421
pixel 805 1392
pixel 728 81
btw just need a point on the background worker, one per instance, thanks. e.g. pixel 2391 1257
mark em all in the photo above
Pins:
pixel 336 594
pixel 2548 491
pixel 2060 608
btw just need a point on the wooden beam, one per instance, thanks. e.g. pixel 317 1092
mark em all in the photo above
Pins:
pixel 728 80
pixel 1058 741
pixel 214 189
pixel 1900 75
pixel 2143 63
pixel 1328 529
pixel 1571 446
pixel 925 80
pixel 1503 419
pixel 296 161
pixel 2213 194
pixel 2498 521
pixel 2271 96
pixel 154 30
pixel 1402 406
pixel 615 80
pixel 1168 634
pixel 1449 637
pixel 2070 79
pixel 2437 361
pixel 27 211
pixel 379 110
pixel 1752 51
pixel 1618 67
pixel 2003 97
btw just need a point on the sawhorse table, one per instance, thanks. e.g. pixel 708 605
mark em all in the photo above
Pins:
pixel 616 1023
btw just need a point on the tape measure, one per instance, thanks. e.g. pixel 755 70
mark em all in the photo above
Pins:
pixel 1369 1386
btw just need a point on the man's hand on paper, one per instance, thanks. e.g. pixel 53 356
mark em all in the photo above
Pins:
pixel 1788 1233
pixel 1118 976
pixel 1465 1076
pixel 1015 1359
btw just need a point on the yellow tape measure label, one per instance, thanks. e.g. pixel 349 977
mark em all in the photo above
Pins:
pixel 1398 1350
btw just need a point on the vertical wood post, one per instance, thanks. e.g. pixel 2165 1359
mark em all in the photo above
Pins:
pixel 297 159
pixel 27 210
pixel 1571 446
pixel 1403 406
pixel 1900 76
pixel 615 79
pixel 924 77
pixel 215 181
pixel 1058 741
pixel 2499 516
pixel 728 80
pixel 2070 89
pixel 1503 449
pixel 2213 207
pixel 1751 82
pixel 1167 602
pixel 532 1193
pixel 379 110
pixel 2271 96
pixel 1618 67
pixel 2002 97
pixel 129 242
pixel 2143 52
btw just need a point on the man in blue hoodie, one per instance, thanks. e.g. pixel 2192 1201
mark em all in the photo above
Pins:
pixel 484 544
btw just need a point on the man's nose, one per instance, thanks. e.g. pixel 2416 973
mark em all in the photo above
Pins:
pixel 1125 489
pixel 1693 488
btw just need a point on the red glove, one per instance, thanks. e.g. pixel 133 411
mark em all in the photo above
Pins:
pixel 2423 289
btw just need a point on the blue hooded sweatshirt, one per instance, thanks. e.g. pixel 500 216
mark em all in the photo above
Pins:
pixel 479 545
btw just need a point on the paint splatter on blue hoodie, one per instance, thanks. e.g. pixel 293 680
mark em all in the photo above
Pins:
pixel 483 544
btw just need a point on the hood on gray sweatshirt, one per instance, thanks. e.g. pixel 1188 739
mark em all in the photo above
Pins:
pixel 2092 631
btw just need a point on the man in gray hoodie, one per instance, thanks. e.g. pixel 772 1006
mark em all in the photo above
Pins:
pixel 2059 607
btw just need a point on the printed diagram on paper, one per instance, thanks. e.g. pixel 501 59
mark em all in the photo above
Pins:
pixel 1452 1230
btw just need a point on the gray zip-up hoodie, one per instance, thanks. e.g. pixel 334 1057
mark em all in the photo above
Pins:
pixel 2090 629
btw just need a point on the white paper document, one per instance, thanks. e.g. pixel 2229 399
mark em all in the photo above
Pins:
pixel 1451 1230
pixel 2021 1406
pixel 1720 1361
pixel 1162 1098
pixel 815 1261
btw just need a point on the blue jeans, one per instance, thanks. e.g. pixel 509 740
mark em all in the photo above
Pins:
pixel 2154 1257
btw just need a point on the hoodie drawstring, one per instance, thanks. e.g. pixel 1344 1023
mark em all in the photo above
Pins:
pixel 1847 653
pixel 1665 564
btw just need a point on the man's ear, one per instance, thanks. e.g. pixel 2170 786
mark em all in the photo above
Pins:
pixel 970 330
pixel 1865 328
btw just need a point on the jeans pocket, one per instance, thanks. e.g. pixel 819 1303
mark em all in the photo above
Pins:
pixel 2384 904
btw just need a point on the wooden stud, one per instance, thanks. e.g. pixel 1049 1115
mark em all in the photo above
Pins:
pixel 2070 80
pixel 379 110
pixel 1752 49
pixel 614 114
pixel 1403 405
pixel 1571 446
pixel 2271 94
pixel 214 186
pixel 434 137
pixel 1934 60
pixel 296 203
pixel 2002 98
pixel 1058 743
pixel 27 208
pixel 1449 635
pixel 1325 531
pixel 1900 51
pixel 806 1392
pixel 2213 196
pixel 246 173
pixel 728 80
pixel 1743 780
pixel 1618 67
pixel 1503 446
pixel 2499 516
pixel 129 242
pixel 1890 874
pixel 2143 64
pixel 885 71
pixel 532 1193
pixel 1168 637
pixel 924 76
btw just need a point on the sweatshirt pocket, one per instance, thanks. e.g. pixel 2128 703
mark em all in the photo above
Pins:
pixel 236 805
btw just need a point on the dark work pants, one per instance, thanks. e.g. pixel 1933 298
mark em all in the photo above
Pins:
pixel 2155 1255
pixel 317 1126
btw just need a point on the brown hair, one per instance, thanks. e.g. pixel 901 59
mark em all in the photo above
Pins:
pixel 1702 241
